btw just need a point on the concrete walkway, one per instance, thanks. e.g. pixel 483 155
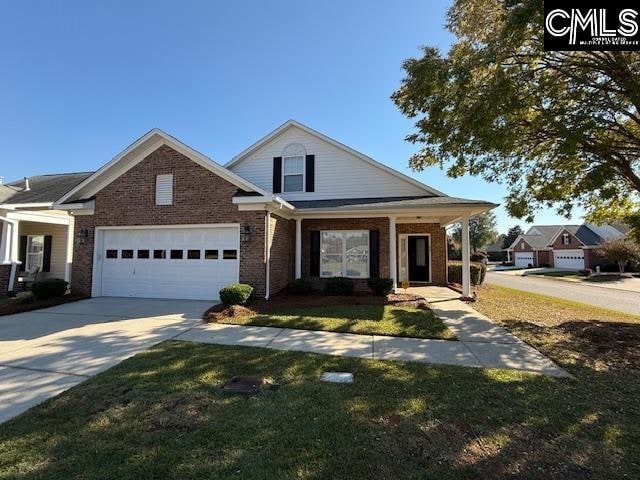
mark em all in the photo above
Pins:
pixel 481 342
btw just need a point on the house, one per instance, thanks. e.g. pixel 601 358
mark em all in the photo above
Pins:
pixel 163 220
pixel 563 246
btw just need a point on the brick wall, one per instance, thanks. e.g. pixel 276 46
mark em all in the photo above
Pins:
pixel 438 247
pixel 199 197
pixel 282 242
pixel 5 272
pixel 545 257
pixel 574 243
pixel 381 224
pixel 518 247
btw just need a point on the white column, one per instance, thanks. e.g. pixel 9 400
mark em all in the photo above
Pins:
pixel 69 252
pixel 466 260
pixel 5 243
pixel 393 252
pixel 298 248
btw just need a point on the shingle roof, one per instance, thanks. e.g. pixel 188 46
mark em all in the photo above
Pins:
pixel 548 232
pixel 42 188
pixel 349 203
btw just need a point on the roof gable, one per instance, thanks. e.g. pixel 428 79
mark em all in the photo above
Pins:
pixel 136 152
pixel 370 162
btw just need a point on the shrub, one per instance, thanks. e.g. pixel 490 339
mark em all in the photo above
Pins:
pixel 236 294
pixel 478 257
pixel 478 273
pixel 49 288
pixel 339 286
pixel 300 287
pixel 380 286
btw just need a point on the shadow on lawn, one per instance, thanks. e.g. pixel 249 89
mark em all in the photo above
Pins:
pixel 161 415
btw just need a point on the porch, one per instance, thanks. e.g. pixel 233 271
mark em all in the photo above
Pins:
pixel 34 245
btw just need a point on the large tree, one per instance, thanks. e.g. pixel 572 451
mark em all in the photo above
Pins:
pixel 482 230
pixel 512 234
pixel 559 128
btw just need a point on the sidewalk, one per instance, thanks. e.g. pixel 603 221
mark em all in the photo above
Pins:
pixel 482 343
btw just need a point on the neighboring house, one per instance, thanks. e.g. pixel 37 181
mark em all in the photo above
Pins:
pixel 571 247
pixel 162 220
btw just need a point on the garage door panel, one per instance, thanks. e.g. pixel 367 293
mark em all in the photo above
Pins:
pixel 569 259
pixel 189 278
pixel 523 259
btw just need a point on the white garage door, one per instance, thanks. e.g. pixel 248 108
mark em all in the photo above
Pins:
pixel 523 259
pixel 571 259
pixel 189 263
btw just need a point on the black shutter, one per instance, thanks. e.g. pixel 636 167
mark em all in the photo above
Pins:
pixel 310 173
pixel 314 254
pixel 374 254
pixel 46 257
pixel 22 253
pixel 277 174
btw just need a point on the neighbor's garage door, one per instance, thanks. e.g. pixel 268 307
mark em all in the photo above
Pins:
pixel 189 263
pixel 571 259
pixel 523 259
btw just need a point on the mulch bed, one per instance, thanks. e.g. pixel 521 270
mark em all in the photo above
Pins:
pixel 15 306
pixel 285 300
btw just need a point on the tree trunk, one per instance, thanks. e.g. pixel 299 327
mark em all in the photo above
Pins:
pixel 621 266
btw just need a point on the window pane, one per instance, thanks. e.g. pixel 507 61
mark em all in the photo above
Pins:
pixel 159 254
pixel 293 165
pixel 35 243
pixel 330 265
pixel 331 242
pixel 143 253
pixel 357 242
pixel 127 253
pixel 176 254
pixel 112 254
pixel 421 252
pixel 193 254
pixel 357 266
pixel 229 254
pixel 211 254
pixel 293 183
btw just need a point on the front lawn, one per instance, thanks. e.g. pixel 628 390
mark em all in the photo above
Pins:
pixel 363 319
pixel 161 415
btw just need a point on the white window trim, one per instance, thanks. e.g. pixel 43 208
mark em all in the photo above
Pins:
pixel 343 273
pixel 304 174
pixel 29 254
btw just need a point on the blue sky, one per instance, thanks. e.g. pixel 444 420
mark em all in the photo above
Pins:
pixel 81 80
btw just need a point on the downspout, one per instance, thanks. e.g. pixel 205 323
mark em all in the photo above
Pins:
pixel 267 221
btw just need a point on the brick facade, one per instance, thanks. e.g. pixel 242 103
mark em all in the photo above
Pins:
pixel 438 244
pixel 200 197
pixel 282 244
pixel 545 258
pixel 5 273
pixel 574 243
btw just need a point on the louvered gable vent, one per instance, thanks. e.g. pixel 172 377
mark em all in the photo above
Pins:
pixel 164 189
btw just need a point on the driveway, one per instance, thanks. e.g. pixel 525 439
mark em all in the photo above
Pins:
pixel 622 301
pixel 44 352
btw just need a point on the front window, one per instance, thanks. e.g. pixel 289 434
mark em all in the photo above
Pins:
pixel 35 252
pixel 293 173
pixel 344 253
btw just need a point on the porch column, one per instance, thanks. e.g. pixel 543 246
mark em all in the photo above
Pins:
pixel 298 248
pixel 69 253
pixel 393 252
pixel 466 259
pixel 5 243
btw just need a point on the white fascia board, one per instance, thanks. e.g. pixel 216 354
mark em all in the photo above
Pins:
pixel 40 217
pixel 293 123
pixel 264 199
pixel 78 208
pixel 13 206
pixel 163 138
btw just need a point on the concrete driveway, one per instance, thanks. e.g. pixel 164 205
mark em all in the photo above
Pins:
pixel 44 352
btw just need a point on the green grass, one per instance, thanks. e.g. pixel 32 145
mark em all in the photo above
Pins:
pixel 362 319
pixel 161 415
pixel 567 274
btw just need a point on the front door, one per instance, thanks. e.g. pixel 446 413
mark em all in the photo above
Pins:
pixel 418 258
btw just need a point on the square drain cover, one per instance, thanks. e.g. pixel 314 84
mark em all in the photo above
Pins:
pixel 337 377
